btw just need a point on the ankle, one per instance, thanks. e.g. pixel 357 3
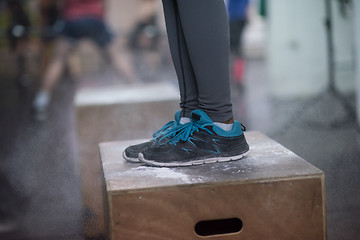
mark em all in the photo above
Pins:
pixel 184 120
pixel 224 126
pixel 230 121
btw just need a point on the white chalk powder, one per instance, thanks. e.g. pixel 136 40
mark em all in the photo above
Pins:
pixel 164 173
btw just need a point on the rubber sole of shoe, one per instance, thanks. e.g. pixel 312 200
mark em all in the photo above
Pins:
pixel 130 159
pixel 192 162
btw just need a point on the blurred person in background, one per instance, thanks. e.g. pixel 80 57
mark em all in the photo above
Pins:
pixel 145 40
pixel 79 20
pixel 18 37
pixel 238 13
pixel 49 16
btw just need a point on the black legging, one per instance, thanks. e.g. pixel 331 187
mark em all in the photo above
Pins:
pixel 198 33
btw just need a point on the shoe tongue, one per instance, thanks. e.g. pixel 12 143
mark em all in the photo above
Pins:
pixel 200 117
pixel 177 116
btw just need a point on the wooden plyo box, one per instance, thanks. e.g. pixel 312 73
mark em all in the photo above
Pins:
pixel 111 114
pixel 270 194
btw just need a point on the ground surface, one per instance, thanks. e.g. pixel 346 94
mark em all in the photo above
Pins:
pixel 39 177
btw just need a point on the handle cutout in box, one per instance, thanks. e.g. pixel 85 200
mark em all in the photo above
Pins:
pixel 210 228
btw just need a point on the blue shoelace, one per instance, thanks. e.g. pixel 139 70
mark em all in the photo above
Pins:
pixel 181 132
pixel 166 128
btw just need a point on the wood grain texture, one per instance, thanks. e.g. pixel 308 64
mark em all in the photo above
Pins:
pixel 290 209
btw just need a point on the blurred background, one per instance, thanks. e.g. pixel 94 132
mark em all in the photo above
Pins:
pixel 295 76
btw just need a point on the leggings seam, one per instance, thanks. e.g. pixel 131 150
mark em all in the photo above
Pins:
pixel 180 55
